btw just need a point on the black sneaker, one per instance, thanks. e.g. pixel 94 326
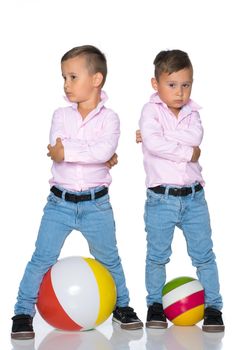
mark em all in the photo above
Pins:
pixel 213 321
pixel 156 317
pixel 22 327
pixel 127 318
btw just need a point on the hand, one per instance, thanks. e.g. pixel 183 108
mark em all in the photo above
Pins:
pixel 196 154
pixel 112 161
pixel 138 136
pixel 56 153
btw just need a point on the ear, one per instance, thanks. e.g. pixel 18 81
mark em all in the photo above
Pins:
pixel 97 79
pixel 154 83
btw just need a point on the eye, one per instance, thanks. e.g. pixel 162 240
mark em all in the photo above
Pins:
pixel 73 77
pixel 186 85
pixel 172 85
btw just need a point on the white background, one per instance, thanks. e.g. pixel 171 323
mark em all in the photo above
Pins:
pixel 34 36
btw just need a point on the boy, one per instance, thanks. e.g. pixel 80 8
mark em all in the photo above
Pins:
pixel 83 138
pixel 171 133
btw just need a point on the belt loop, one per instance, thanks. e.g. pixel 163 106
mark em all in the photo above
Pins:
pixel 92 191
pixel 193 190
pixel 166 194
pixel 63 194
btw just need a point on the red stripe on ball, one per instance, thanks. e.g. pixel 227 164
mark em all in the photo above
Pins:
pixel 50 308
pixel 185 304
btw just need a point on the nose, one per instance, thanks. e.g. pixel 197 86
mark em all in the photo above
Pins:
pixel 66 84
pixel 180 91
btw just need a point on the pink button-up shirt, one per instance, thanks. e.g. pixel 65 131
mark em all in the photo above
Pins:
pixel 168 143
pixel 88 144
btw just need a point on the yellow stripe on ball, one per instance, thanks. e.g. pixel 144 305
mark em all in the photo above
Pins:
pixel 107 289
pixel 190 317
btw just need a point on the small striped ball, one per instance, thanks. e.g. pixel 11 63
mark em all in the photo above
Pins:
pixel 183 301
pixel 76 294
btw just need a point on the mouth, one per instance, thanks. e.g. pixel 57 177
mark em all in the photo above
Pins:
pixel 179 103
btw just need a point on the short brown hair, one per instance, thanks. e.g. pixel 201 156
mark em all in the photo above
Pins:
pixel 171 61
pixel 95 59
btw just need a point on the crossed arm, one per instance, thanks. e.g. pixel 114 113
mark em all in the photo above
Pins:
pixel 98 150
pixel 177 145
pixel 196 149
pixel 56 153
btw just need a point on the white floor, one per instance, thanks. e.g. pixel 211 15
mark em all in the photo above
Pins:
pixel 109 336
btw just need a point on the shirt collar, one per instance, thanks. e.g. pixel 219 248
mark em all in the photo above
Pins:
pixel 156 99
pixel 103 99
pixel 191 106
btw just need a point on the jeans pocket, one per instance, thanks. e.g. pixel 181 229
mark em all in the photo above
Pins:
pixel 103 203
pixel 54 199
pixel 153 198
pixel 200 197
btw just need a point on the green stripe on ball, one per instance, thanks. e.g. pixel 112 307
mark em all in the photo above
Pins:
pixel 176 282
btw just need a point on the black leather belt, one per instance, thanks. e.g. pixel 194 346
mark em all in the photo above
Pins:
pixel 176 191
pixel 75 198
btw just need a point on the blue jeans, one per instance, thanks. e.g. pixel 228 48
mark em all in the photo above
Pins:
pixel 94 219
pixel 163 213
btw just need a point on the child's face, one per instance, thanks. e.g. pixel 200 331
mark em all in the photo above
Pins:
pixel 174 89
pixel 79 84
